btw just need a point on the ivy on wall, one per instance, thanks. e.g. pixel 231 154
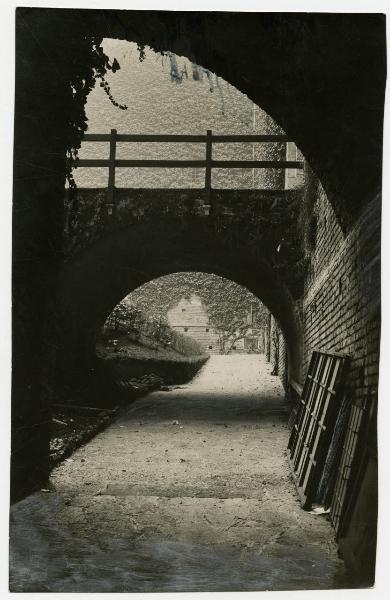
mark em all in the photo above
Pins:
pixel 228 304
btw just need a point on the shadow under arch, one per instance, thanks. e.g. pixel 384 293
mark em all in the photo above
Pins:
pixel 102 275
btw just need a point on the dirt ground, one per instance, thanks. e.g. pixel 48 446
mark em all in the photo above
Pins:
pixel 188 490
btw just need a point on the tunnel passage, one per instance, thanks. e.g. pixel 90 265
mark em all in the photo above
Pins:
pixel 100 276
pixel 281 61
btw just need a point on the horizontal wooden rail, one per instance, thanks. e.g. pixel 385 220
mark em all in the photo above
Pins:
pixel 194 164
pixel 208 163
pixel 194 139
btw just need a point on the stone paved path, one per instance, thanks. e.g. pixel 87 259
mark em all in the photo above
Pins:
pixel 189 490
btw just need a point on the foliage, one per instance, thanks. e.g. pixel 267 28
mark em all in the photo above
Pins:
pixel 81 64
pixel 127 319
pixel 85 64
pixel 228 304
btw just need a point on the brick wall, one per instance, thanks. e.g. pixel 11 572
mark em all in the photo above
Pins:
pixel 341 314
pixel 277 350
pixel 342 294
pixel 283 361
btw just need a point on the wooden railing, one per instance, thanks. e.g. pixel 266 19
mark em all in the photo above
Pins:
pixel 208 163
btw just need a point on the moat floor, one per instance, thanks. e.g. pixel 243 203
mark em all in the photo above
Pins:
pixel 189 490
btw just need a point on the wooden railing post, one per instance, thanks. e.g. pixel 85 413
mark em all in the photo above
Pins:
pixel 111 173
pixel 207 183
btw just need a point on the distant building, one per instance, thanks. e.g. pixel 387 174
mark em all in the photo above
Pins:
pixel 190 317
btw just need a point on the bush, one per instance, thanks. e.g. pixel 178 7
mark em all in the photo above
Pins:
pixel 126 319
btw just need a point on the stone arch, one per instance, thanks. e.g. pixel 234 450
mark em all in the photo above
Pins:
pixel 100 276
pixel 313 73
